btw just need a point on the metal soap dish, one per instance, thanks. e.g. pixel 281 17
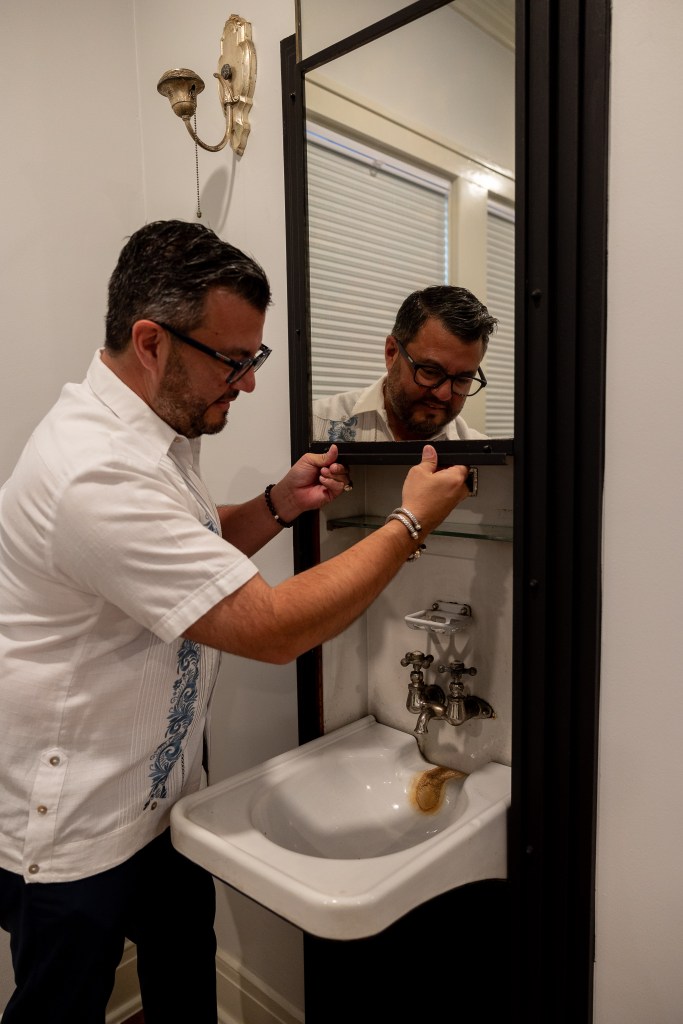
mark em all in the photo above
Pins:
pixel 443 617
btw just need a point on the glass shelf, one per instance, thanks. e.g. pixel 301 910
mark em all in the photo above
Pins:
pixel 478 531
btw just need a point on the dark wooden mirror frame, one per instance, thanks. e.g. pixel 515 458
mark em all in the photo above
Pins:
pixel 561 270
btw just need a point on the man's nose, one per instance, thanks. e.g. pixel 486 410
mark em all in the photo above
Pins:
pixel 246 383
pixel 443 392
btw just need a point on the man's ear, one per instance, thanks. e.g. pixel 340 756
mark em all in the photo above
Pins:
pixel 150 343
pixel 390 351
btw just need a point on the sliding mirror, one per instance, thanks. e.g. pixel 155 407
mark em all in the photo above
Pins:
pixel 409 183
pixel 562 62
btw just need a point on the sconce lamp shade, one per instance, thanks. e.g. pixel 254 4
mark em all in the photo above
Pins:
pixel 181 87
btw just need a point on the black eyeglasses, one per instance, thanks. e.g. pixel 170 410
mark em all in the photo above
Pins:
pixel 463 384
pixel 239 366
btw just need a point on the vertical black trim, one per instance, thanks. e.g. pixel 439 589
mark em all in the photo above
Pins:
pixel 305 531
pixel 296 229
pixel 563 66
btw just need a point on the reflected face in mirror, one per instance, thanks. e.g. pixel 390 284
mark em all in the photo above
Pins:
pixel 432 357
pixel 417 411
pixel 406 187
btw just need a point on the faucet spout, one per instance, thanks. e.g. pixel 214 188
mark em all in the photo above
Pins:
pixel 430 709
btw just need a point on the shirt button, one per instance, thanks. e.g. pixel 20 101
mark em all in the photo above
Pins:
pixel 33 869
pixel 41 808
pixel 54 761
pixel 154 805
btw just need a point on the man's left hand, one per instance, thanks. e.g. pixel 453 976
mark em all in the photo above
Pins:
pixel 312 482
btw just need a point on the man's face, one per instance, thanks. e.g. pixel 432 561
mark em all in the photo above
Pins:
pixel 193 396
pixel 416 412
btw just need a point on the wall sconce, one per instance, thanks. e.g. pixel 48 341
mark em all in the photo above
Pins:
pixel 236 78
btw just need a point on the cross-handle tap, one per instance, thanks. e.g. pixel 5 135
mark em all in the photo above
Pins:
pixel 460 706
pixel 457 670
pixel 416 686
pixel 418 660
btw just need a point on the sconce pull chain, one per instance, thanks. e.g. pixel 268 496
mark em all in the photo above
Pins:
pixel 196 164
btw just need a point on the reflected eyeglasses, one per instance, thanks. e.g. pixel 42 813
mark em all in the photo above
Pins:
pixel 428 376
pixel 239 366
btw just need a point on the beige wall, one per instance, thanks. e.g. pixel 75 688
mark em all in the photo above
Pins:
pixel 640 826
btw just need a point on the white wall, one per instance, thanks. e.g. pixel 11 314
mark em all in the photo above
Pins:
pixel 71 189
pixel 640 826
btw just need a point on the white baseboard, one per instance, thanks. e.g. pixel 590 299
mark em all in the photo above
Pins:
pixel 242 998
pixel 125 999
pixel 246 999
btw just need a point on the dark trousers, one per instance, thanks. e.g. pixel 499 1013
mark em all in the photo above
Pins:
pixel 67 939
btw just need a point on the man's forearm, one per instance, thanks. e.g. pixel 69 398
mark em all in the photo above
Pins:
pixel 248 526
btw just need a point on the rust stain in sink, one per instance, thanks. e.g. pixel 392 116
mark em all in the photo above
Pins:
pixel 427 790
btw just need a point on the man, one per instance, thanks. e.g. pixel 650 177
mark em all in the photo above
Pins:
pixel 120 584
pixel 433 359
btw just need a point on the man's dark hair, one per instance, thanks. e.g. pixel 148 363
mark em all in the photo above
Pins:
pixel 164 272
pixel 457 309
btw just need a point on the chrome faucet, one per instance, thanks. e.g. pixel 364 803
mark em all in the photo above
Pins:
pixel 416 686
pixel 425 701
pixel 428 702
pixel 461 706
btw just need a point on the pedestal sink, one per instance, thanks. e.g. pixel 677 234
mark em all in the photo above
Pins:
pixel 345 834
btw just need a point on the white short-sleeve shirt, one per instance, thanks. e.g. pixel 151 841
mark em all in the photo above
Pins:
pixel 361 416
pixel 110 548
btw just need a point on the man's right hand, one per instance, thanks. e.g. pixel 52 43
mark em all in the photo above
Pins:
pixel 431 493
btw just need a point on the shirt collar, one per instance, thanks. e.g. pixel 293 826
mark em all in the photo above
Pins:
pixel 134 411
pixel 371 399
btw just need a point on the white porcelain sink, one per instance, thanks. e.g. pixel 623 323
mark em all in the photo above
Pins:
pixel 345 834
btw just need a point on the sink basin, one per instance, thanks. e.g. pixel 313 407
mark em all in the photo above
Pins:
pixel 345 834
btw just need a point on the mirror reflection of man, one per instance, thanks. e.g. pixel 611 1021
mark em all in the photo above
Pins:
pixel 433 358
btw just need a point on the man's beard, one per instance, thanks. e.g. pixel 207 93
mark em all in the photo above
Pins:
pixel 415 417
pixel 181 410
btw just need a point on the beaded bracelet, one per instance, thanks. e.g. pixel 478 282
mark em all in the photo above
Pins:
pixel 271 507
